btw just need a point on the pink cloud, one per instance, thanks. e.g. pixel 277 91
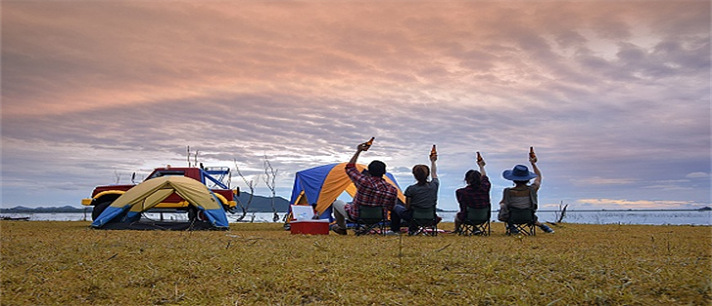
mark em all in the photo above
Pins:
pixel 130 53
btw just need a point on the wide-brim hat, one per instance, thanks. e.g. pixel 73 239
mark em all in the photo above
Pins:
pixel 519 173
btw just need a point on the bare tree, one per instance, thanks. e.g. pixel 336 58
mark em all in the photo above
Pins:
pixel 117 176
pixel 195 158
pixel 271 175
pixel 188 156
pixel 561 213
pixel 251 185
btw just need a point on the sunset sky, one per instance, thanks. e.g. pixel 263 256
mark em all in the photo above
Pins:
pixel 613 95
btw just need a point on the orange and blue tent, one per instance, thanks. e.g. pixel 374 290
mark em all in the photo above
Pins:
pixel 321 186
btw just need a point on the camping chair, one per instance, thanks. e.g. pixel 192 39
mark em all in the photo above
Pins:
pixel 424 222
pixel 477 222
pixel 521 220
pixel 370 218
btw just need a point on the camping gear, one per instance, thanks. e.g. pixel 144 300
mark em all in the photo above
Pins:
pixel 216 178
pixel 424 221
pixel 310 227
pixel 321 186
pixel 303 221
pixel 371 219
pixel 477 222
pixel 127 208
pixel 521 220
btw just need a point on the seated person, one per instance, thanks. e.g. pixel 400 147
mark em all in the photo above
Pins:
pixel 372 190
pixel 475 195
pixel 423 194
pixel 522 195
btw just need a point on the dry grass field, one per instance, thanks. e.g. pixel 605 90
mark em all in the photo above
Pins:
pixel 50 263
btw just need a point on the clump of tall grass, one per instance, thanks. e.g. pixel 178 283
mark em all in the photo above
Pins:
pixel 259 263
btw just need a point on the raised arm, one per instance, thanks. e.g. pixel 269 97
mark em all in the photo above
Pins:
pixel 359 148
pixel 433 167
pixel 481 163
pixel 537 180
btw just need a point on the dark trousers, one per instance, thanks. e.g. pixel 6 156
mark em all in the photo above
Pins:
pixel 399 213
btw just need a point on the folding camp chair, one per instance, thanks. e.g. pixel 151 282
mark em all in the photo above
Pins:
pixel 424 222
pixel 477 222
pixel 521 220
pixel 370 218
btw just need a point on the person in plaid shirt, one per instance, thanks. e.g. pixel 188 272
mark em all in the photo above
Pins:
pixel 372 190
pixel 476 194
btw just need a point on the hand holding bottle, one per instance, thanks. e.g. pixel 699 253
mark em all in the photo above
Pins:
pixel 480 160
pixel 366 145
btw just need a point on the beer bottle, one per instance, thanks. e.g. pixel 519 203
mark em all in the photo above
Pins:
pixel 433 152
pixel 531 153
pixel 368 143
pixel 479 157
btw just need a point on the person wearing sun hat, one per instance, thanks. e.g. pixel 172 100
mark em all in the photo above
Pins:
pixel 523 194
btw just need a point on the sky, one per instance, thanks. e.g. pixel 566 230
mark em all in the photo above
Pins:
pixel 613 95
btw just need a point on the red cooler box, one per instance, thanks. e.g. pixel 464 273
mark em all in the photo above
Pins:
pixel 310 227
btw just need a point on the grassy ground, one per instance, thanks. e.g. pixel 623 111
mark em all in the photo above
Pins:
pixel 67 263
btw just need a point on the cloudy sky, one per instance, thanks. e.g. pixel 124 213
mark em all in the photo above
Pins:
pixel 614 95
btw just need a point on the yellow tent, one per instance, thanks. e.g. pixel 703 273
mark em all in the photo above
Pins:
pixel 151 192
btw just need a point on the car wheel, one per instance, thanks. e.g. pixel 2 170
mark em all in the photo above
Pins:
pixel 196 215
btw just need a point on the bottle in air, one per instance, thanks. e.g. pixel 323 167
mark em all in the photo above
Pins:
pixel 532 155
pixel 369 143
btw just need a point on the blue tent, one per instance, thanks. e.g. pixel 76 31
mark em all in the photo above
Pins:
pixel 321 186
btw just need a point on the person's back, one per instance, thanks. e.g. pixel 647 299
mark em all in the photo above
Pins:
pixel 423 195
pixel 372 190
pixel 475 195
pixel 522 195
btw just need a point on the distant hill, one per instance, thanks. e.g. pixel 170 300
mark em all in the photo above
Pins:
pixel 259 204
pixel 263 204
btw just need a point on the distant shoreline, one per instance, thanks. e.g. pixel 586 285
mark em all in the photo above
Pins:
pixel 69 209
pixel 619 210
pixel 50 210
pixel 643 217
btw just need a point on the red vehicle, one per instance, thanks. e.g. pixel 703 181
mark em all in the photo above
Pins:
pixel 214 178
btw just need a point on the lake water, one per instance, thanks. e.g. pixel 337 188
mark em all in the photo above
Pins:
pixel 658 217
